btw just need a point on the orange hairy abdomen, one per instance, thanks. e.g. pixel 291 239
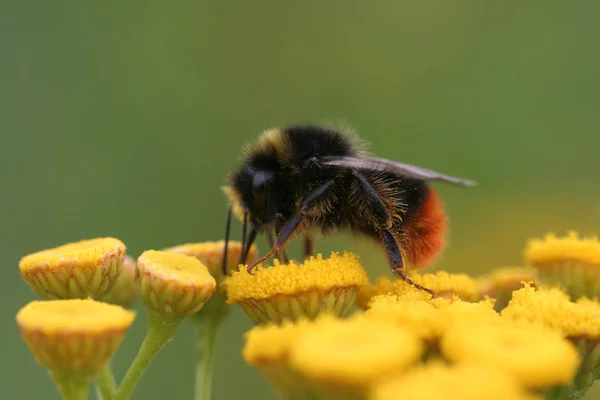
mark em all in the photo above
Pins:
pixel 425 231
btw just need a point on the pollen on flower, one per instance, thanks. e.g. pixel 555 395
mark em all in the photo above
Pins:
pixel 444 382
pixel 173 284
pixel 315 273
pixel 211 255
pixel 570 262
pixel 538 357
pixel 572 249
pixel 75 270
pixel 428 318
pixel 500 283
pixel 73 336
pixel 356 352
pixel 268 344
pixel 267 348
pixel 293 291
pixel 553 309
pixel 443 283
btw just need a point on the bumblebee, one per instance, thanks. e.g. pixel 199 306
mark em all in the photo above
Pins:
pixel 304 180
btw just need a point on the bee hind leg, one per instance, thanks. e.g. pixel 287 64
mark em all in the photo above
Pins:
pixel 395 258
pixel 381 215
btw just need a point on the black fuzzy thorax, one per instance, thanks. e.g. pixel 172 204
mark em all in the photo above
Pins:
pixel 273 184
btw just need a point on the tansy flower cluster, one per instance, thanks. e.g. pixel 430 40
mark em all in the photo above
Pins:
pixel 323 330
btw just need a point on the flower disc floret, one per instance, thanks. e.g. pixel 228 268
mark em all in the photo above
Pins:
pixel 356 352
pixel 293 291
pixel 553 309
pixel 443 382
pixel 73 336
pixel 445 285
pixel 570 262
pixel 173 285
pixel 211 255
pixel 75 270
pixel 538 357
pixel 429 318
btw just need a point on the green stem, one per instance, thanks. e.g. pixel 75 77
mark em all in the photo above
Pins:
pixel 206 339
pixel 208 323
pixel 106 383
pixel 72 387
pixel 159 333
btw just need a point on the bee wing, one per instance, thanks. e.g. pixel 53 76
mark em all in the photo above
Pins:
pixel 407 170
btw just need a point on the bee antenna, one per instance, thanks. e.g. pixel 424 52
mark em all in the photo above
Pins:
pixel 244 233
pixel 227 228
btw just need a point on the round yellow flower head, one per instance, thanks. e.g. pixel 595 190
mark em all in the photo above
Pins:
pixel 579 322
pixel 538 357
pixel 75 270
pixel 446 285
pixel 443 382
pixel 124 290
pixel 211 255
pixel 270 343
pixel 73 337
pixel 419 315
pixel 428 318
pixel 553 309
pixel 173 285
pixel 267 348
pixel 571 262
pixel 292 291
pixel 502 282
pixel 351 355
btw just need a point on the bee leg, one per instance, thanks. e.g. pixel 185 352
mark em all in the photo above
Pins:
pixel 395 258
pixel 291 226
pixel 244 232
pixel 249 242
pixel 226 244
pixel 309 244
pixel 381 214
pixel 281 254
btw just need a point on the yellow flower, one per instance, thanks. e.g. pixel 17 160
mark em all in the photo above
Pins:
pixel 173 285
pixel 267 348
pixel 74 270
pixel 500 283
pixel 538 357
pixel 342 357
pixel 579 322
pixel 124 290
pixel 210 318
pixel 428 318
pixel 73 338
pixel 211 255
pixel 292 291
pixel 571 262
pixel 443 283
pixel 553 309
pixel 437 381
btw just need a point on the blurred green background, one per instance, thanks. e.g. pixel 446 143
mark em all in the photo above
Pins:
pixel 122 119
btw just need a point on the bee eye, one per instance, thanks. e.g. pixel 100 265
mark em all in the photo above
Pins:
pixel 260 178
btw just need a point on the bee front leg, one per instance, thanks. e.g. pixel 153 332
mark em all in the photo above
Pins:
pixel 281 254
pixel 381 214
pixel 291 226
